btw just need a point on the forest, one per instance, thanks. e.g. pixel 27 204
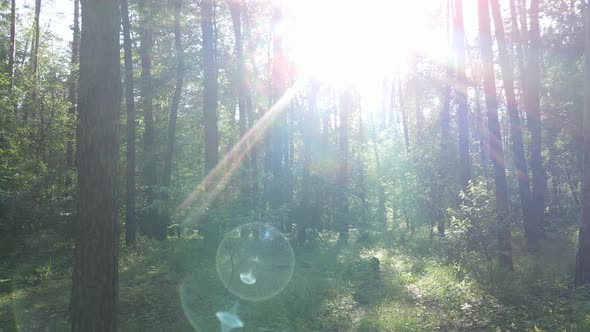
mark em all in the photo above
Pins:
pixel 294 165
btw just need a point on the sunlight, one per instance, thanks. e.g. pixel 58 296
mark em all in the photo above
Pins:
pixel 349 43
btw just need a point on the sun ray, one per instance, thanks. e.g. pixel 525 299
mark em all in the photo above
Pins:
pixel 202 197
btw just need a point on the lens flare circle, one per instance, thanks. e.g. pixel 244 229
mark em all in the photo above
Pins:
pixel 255 261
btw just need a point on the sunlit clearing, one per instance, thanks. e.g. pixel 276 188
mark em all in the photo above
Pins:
pixel 360 43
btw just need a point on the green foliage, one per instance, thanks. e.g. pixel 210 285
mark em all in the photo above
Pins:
pixel 472 238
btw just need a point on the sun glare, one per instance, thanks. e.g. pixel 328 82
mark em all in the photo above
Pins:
pixel 356 43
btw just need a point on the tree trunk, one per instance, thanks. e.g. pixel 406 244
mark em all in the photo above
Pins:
pixel 346 106
pixel 175 98
pixel 210 87
pixel 461 97
pixel 210 129
pixel 152 221
pixel 522 175
pixel 534 231
pixel 583 256
pixel 417 99
pixel 236 8
pixel 308 133
pixel 36 41
pixel 278 87
pixel 404 118
pixel 130 216
pixel 517 39
pixel 72 93
pixel 94 278
pixel 445 124
pixel 12 52
pixel 35 60
pixel 496 150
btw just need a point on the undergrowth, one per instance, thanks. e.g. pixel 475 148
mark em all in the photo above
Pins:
pixel 174 286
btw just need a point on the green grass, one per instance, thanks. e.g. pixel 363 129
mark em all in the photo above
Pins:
pixel 173 286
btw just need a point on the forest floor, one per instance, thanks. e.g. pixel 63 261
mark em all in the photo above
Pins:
pixel 174 286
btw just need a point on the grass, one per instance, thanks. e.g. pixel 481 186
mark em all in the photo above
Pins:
pixel 174 286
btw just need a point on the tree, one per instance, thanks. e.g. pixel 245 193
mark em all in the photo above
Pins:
pixel 73 110
pixel 308 131
pixel 236 8
pixel 461 96
pixel 583 257
pixel 130 218
pixel 533 110
pixel 153 220
pixel 94 278
pixel 209 87
pixel 36 23
pixel 496 149
pixel 346 107
pixel 522 175
pixel 278 88
pixel 12 51
pixel 171 142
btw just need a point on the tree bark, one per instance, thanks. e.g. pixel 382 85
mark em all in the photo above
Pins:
pixel 12 51
pixel 404 118
pixel 308 132
pixel 461 97
pixel 130 215
pixel 171 143
pixel 176 97
pixel 94 278
pixel 72 93
pixel 522 175
pixel 152 224
pixel 210 87
pixel 278 86
pixel 583 256
pixel 236 8
pixel 346 106
pixel 496 149
pixel 534 231
pixel 36 41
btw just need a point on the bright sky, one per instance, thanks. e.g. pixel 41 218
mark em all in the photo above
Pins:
pixel 345 42
pixel 57 15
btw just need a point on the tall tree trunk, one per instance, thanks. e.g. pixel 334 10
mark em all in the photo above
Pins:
pixel 130 216
pixel 522 175
pixel 404 118
pixel 236 8
pixel 534 232
pixel 35 60
pixel 167 179
pixel 308 129
pixel 72 93
pixel 417 98
pixel 278 87
pixel 461 96
pixel 583 256
pixel 445 124
pixel 210 231
pixel 346 106
pixel 176 97
pixel 152 221
pixel 250 48
pixel 12 52
pixel 381 209
pixel 210 87
pixel 36 40
pixel 94 277
pixel 518 40
pixel 496 150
